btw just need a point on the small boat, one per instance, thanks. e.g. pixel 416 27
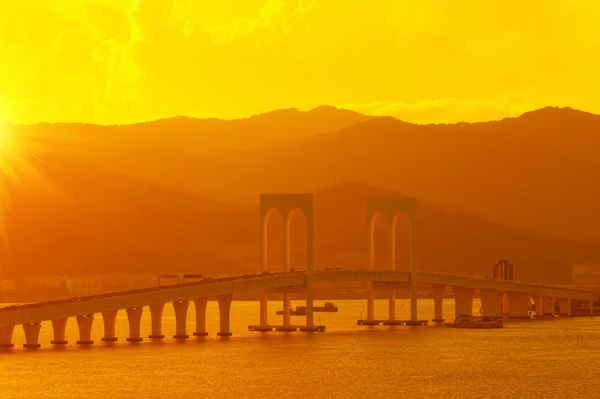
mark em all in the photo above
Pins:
pixel 301 310
pixel 468 321
pixel 329 307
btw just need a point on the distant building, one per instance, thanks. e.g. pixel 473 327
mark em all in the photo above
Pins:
pixel 84 286
pixel 168 279
pixel 586 273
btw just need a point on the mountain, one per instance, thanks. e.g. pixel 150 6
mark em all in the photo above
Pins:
pixel 78 237
pixel 196 136
pixel 98 221
pixel 538 172
pixel 451 242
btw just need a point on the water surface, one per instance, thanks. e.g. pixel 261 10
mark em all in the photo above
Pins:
pixel 555 358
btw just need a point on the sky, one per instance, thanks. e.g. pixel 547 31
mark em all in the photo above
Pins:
pixel 428 61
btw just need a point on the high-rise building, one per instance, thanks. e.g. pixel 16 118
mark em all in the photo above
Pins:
pixel 586 273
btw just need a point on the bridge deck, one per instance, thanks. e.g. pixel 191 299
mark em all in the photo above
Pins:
pixel 50 310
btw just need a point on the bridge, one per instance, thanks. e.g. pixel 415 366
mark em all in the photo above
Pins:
pixel 492 292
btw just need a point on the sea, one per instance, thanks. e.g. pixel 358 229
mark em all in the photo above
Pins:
pixel 544 358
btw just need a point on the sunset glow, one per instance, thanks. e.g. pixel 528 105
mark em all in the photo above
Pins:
pixel 124 61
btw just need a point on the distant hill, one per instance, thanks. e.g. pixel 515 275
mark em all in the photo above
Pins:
pixel 448 241
pixel 539 172
pixel 198 136
pixel 83 236
pixel 102 222
pixel 113 206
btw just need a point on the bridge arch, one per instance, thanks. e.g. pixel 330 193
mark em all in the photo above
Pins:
pixel 287 204
pixel 392 208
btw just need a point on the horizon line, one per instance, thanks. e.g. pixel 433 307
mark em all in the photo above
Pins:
pixel 294 109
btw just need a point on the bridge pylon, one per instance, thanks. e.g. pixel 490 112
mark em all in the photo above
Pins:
pixel 392 208
pixel 286 205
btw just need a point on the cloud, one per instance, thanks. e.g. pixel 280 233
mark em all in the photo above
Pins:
pixel 122 61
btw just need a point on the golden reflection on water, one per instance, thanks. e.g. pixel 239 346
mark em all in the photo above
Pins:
pixel 528 359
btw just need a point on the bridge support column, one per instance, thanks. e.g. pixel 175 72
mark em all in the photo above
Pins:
pixel 463 301
pixel 392 305
pixel 200 307
pixel 519 305
pixel 59 326
pixel 491 303
pixel 32 334
pixel 156 312
pixel 438 304
pixel 564 307
pixel 548 305
pixel 286 266
pixel 413 267
pixel 504 305
pixel 181 308
pixel 539 306
pixel 6 334
pixel 109 319
pixel 84 323
pixel 134 316
pixel 370 301
pixel 264 302
pixel 286 310
pixel 224 313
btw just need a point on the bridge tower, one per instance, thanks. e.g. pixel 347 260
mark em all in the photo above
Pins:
pixel 392 207
pixel 286 205
pixel 503 270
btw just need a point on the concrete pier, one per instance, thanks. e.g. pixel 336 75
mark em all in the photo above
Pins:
pixel 264 305
pixel 392 305
pixel 463 301
pixel 6 334
pixel 181 308
pixel 564 307
pixel 548 305
pixel 200 307
pixel 84 323
pixel 491 303
pixel 59 327
pixel 134 316
pixel 32 334
pixel 370 302
pixel 109 319
pixel 156 312
pixel 224 315
pixel 438 304
pixel 519 305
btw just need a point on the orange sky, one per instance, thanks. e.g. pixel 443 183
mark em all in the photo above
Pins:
pixel 123 61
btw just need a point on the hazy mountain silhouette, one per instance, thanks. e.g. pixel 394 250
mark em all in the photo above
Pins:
pixel 199 136
pixel 537 172
pixel 152 206
pixel 140 235
pixel 448 241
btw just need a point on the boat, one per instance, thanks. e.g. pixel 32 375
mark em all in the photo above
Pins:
pixel 301 310
pixel 468 321
pixel 329 307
